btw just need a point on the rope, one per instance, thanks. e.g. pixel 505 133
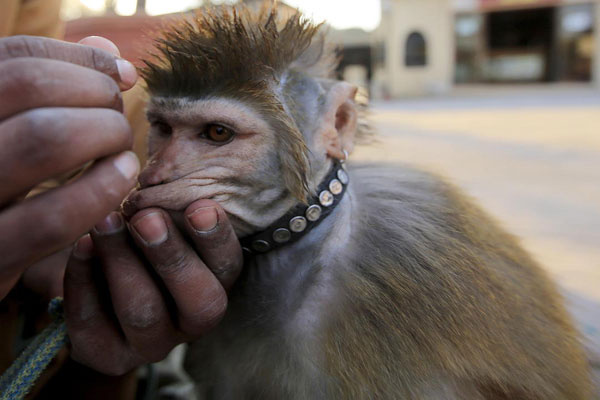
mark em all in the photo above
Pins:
pixel 20 378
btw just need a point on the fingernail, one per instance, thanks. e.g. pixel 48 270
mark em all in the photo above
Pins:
pixel 128 164
pixel 203 219
pixel 152 229
pixel 102 43
pixel 111 224
pixel 127 72
pixel 84 248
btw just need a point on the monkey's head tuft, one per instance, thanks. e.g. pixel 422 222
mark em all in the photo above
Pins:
pixel 224 50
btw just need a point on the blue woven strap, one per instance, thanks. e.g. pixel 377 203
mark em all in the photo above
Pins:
pixel 20 378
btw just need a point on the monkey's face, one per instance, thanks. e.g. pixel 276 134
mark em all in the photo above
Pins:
pixel 216 149
pixel 225 150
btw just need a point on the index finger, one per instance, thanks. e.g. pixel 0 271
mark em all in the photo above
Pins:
pixel 199 296
pixel 86 56
pixel 41 225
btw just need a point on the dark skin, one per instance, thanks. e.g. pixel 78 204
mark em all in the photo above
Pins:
pixel 152 315
pixel 133 290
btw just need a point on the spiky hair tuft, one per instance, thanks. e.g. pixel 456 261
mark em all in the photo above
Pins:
pixel 221 48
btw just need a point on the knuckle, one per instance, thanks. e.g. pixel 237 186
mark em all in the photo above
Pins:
pixel 95 57
pixel 16 46
pixel 103 61
pixel 20 78
pixel 42 133
pixel 211 309
pixel 33 122
pixel 43 127
pixel 141 316
pixel 230 265
pixel 179 262
pixel 55 227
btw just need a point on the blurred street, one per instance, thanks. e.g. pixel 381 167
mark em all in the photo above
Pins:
pixel 529 154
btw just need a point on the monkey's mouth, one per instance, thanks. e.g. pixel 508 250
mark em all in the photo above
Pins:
pixel 132 203
pixel 174 200
pixel 161 196
pixel 174 196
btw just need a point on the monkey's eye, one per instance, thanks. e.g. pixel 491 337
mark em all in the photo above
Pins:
pixel 218 133
pixel 162 128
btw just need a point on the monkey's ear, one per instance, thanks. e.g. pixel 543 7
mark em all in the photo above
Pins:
pixel 339 120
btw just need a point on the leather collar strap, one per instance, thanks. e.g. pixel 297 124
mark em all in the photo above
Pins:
pixel 302 218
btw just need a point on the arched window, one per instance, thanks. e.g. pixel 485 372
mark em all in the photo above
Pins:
pixel 416 50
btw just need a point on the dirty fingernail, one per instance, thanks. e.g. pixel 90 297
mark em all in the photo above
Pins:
pixel 127 72
pixel 111 224
pixel 151 228
pixel 203 219
pixel 84 248
pixel 128 164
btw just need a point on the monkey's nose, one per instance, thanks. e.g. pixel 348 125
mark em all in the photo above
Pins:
pixel 150 177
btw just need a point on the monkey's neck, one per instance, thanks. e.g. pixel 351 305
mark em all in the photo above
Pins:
pixel 300 220
pixel 291 265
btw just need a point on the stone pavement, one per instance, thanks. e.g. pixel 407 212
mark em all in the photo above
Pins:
pixel 530 155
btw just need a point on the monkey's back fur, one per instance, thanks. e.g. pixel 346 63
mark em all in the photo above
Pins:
pixel 424 297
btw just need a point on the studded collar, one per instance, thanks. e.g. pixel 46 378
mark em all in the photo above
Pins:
pixel 303 217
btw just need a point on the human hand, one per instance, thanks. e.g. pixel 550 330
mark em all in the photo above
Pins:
pixel 60 107
pixel 124 309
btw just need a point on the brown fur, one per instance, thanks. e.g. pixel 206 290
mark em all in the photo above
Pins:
pixel 447 295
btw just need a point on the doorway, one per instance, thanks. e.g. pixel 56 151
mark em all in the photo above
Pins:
pixel 520 45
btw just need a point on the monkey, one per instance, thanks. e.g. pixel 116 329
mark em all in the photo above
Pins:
pixel 361 281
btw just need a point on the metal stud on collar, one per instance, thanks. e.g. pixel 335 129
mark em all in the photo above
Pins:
pixel 282 235
pixel 298 224
pixel 343 176
pixel 336 187
pixel 313 213
pixel 326 198
pixel 261 246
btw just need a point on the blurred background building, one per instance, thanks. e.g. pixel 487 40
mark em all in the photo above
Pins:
pixel 414 48
pixel 425 46
pixel 531 41
pixel 419 47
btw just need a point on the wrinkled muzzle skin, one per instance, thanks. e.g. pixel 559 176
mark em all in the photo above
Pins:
pixel 242 174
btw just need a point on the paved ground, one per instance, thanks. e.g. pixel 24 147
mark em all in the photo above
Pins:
pixel 530 155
